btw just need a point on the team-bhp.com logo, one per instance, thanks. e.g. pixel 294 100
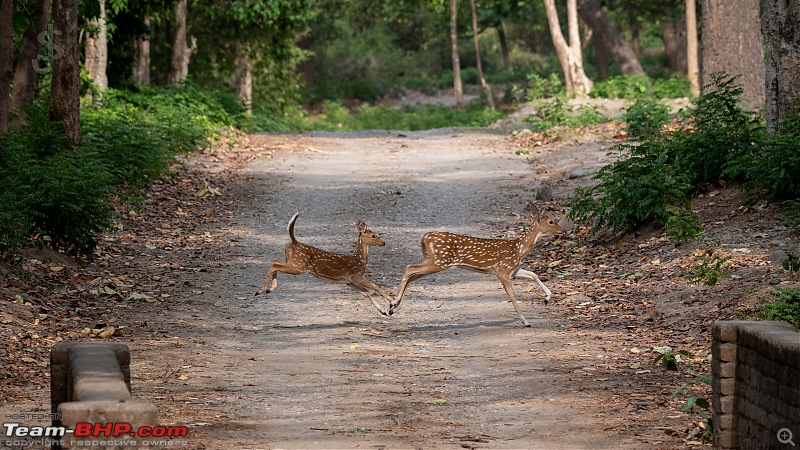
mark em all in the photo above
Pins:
pixel 92 431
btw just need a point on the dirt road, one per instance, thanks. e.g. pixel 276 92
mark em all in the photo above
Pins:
pixel 313 365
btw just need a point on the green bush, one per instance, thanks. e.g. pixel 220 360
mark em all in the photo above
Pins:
pixel 557 112
pixel 540 87
pixel 645 116
pixel 682 225
pixel 636 189
pixel 668 167
pixel 785 307
pixel 634 86
pixel 774 168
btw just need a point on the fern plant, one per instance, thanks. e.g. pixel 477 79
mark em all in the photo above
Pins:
pixel 636 189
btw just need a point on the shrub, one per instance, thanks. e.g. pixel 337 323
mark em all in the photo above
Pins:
pixel 682 224
pixel 540 87
pixel 785 307
pixel 558 113
pixel 774 168
pixel 636 189
pixel 634 86
pixel 645 116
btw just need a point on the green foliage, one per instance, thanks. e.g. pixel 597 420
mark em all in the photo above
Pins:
pixel 540 87
pixel 722 132
pixel 682 224
pixel 557 112
pixel 774 168
pixel 634 86
pixel 335 117
pixel 667 359
pixel 636 189
pixel 710 270
pixel 645 116
pixel 785 307
pixel 668 167
pixel 694 403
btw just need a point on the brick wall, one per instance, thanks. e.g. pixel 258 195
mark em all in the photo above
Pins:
pixel 756 381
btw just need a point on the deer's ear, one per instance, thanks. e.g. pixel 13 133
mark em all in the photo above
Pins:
pixel 534 211
pixel 362 226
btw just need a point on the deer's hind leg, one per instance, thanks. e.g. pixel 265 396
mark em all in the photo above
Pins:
pixel 272 275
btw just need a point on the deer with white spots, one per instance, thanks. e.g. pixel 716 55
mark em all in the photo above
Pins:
pixel 501 257
pixel 335 267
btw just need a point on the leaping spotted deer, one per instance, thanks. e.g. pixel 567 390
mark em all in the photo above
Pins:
pixel 501 257
pixel 335 267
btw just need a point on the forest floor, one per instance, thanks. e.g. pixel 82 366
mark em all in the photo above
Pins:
pixel 313 365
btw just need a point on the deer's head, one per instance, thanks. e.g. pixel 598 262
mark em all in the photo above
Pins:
pixel 367 236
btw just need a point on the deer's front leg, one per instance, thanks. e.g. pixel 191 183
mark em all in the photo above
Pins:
pixel 528 275
pixel 364 289
pixel 510 291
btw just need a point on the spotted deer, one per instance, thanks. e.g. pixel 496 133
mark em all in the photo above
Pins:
pixel 335 267
pixel 501 257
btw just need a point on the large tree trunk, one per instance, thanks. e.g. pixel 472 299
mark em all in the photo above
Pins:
pixel 605 30
pixel 635 26
pixel 6 59
pixel 96 52
pixel 501 36
pixel 486 87
pixel 601 55
pixel 732 44
pixel 141 62
pixel 28 67
pixel 692 54
pixel 244 76
pixel 569 55
pixel 181 52
pixel 674 36
pixel 65 86
pixel 458 89
pixel 781 28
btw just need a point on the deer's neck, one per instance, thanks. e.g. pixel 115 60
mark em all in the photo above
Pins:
pixel 530 238
pixel 362 252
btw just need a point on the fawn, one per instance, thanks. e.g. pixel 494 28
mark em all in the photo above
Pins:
pixel 334 267
pixel 501 257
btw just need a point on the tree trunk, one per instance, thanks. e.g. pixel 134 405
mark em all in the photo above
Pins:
pixel 732 44
pixel 96 53
pixel 181 52
pixel 66 76
pixel 458 90
pixel 601 55
pixel 636 27
pixel 6 59
pixel 674 36
pixel 501 36
pixel 569 55
pixel 28 67
pixel 781 28
pixel 692 56
pixel 605 30
pixel 244 76
pixel 486 87
pixel 141 62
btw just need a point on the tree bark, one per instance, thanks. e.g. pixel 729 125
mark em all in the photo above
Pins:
pixel 692 56
pixel 244 76
pixel 6 59
pixel 486 87
pixel 605 31
pixel 458 89
pixel 636 27
pixel 601 55
pixel 66 76
pixel 28 66
pixel 96 53
pixel 569 54
pixel 781 27
pixel 501 36
pixel 141 62
pixel 674 36
pixel 732 44
pixel 181 52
